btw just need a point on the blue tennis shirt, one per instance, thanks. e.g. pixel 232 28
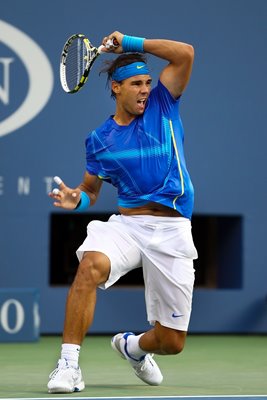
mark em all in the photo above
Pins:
pixel 145 160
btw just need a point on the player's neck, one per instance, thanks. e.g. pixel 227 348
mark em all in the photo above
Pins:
pixel 123 119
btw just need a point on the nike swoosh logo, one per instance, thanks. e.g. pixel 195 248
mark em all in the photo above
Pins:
pixel 177 315
pixel 139 66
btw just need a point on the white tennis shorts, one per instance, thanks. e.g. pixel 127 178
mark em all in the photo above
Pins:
pixel 164 247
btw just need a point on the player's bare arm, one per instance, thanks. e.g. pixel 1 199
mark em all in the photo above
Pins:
pixel 91 185
pixel 176 74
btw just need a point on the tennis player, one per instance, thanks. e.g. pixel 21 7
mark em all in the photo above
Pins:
pixel 139 150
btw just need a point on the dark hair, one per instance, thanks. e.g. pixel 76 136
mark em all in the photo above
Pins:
pixel 124 59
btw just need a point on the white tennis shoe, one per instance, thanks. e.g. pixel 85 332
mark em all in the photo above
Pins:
pixel 65 379
pixel 145 369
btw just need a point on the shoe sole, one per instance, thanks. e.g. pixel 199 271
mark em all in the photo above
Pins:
pixel 77 388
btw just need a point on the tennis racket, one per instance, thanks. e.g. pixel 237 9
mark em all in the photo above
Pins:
pixel 77 58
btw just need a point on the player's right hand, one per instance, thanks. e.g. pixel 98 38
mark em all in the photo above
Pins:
pixel 64 196
pixel 116 37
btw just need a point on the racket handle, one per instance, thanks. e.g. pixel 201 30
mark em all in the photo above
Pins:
pixel 100 48
pixel 112 43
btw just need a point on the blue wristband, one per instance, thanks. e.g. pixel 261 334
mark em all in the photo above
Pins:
pixel 132 44
pixel 84 202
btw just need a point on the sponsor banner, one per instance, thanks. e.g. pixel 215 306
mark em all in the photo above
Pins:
pixel 19 315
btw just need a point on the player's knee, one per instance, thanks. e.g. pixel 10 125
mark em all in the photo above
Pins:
pixel 173 346
pixel 172 341
pixel 90 273
pixel 85 277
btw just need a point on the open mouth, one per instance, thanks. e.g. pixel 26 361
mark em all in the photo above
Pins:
pixel 142 102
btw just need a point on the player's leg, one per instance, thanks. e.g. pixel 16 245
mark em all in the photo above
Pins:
pixel 106 254
pixel 163 300
pixel 163 340
pixel 169 279
pixel 93 270
pixel 167 258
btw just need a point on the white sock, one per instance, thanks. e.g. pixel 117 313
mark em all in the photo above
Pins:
pixel 133 347
pixel 71 353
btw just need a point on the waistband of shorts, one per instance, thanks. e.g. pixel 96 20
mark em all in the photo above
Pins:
pixel 155 219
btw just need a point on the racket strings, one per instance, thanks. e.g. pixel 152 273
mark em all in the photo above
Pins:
pixel 77 58
pixel 80 54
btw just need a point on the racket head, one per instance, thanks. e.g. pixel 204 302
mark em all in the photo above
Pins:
pixel 77 58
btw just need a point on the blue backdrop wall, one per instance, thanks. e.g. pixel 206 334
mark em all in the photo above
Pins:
pixel 42 132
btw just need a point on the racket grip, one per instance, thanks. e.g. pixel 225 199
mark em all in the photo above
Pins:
pixel 110 43
pixel 100 48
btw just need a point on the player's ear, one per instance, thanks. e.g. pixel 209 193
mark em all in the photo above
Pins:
pixel 115 86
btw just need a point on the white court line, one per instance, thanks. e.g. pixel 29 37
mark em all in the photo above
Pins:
pixel 227 396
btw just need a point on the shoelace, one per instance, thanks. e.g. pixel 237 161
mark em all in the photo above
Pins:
pixel 61 365
pixel 144 363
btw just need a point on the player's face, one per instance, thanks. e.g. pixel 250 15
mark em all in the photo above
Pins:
pixel 133 94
